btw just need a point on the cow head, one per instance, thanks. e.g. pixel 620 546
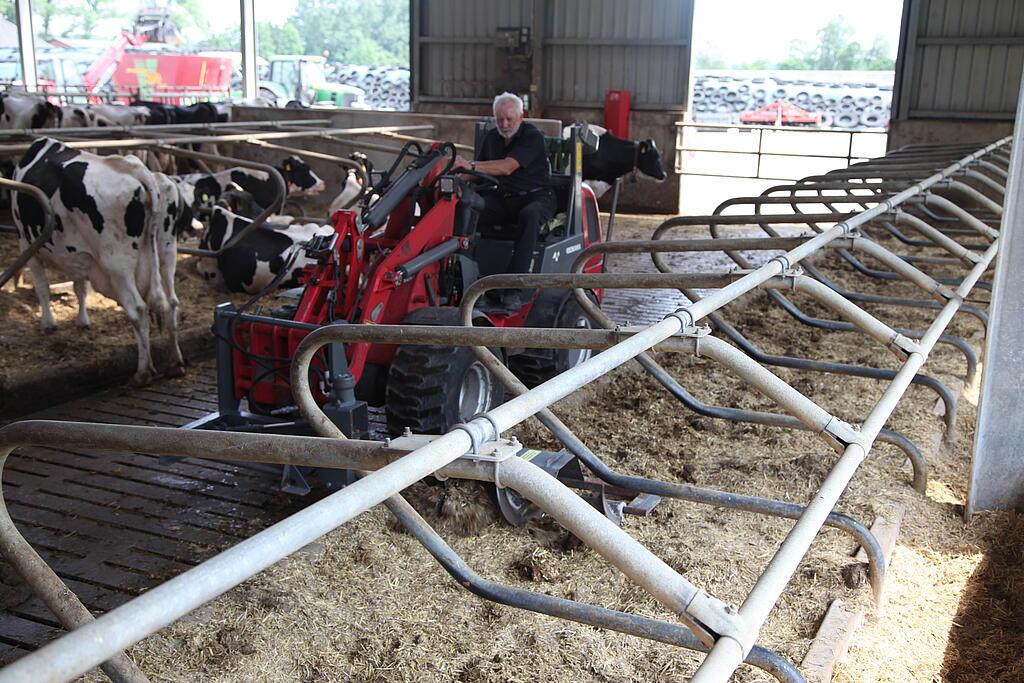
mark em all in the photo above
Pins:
pixel 218 231
pixel 222 226
pixel 205 193
pixel 299 177
pixel 363 161
pixel 240 202
pixel 185 222
pixel 47 115
pixel 648 160
pixel 78 117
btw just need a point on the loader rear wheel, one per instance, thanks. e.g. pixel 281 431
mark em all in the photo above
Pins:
pixel 536 366
pixel 432 388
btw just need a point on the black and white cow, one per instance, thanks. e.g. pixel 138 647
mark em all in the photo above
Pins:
pixel 102 115
pixel 107 115
pixel 241 203
pixel 119 115
pixel 113 231
pixel 615 157
pixel 159 113
pixel 21 110
pixel 252 264
pixel 353 187
pixel 78 116
pixel 298 176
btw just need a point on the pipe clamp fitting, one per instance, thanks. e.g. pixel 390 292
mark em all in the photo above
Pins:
pixel 478 432
pixel 793 274
pixel 685 318
pixel 948 294
pixel 782 261
pixel 844 432
pixel 904 345
pixel 718 620
pixel 495 452
pixel 695 332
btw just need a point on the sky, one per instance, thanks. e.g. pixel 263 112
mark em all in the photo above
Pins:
pixel 765 32
pixel 767 28
pixel 220 15
pixel 271 11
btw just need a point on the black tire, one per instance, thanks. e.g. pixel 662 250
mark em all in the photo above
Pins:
pixel 269 95
pixel 536 366
pixel 431 388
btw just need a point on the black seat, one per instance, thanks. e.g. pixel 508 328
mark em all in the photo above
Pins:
pixel 562 185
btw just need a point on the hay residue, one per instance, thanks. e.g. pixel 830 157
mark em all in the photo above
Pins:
pixel 374 606
pixel 25 348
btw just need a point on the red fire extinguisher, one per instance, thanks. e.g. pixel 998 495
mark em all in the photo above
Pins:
pixel 616 113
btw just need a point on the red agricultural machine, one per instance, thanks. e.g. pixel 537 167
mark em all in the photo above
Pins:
pixel 781 114
pixel 407 257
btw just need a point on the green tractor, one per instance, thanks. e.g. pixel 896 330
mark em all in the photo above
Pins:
pixel 302 78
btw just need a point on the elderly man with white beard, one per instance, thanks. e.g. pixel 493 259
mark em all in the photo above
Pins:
pixel 514 153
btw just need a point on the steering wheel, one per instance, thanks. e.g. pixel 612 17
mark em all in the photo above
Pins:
pixel 490 182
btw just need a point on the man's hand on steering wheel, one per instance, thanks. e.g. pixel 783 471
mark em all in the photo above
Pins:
pixel 465 170
pixel 489 181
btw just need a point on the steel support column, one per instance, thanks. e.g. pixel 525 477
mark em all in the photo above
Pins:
pixel 249 68
pixel 26 43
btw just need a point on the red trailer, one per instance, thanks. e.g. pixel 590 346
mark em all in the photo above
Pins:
pixel 147 63
pixel 176 75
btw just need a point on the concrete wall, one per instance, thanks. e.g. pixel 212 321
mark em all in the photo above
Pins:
pixel 945 131
pixel 997 469
pixel 447 127
pixel 643 196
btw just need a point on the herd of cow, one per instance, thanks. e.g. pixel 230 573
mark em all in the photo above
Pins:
pixel 118 220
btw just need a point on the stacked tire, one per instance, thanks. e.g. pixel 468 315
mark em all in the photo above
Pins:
pixel 843 104
pixel 386 87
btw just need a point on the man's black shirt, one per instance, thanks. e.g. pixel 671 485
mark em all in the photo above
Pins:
pixel 526 147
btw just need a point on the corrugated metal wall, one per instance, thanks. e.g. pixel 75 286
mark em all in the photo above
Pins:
pixel 592 46
pixel 587 48
pixel 452 49
pixel 960 59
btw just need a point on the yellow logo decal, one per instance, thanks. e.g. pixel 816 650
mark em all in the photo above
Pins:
pixel 146 73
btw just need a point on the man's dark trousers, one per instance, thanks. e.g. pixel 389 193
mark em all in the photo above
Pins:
pixel 529 212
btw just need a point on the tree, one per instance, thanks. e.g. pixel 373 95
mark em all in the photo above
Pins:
pixel 356 31
pixel 278 40
pixel 798 59
pixel 836 51
pixel 756 65
pixel 45 12
pixel 878 57
pixel 84 15
pixel 7 8
pixel 271 39
pixel 228 39
pixel 710 61
pixel 190 18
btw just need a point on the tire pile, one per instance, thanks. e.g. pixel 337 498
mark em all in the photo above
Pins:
pixel 845 105
pixel 386 87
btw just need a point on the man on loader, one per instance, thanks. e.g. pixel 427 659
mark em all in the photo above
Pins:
pixel 514 152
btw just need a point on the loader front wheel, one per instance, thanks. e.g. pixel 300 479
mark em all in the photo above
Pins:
pixel 432 388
